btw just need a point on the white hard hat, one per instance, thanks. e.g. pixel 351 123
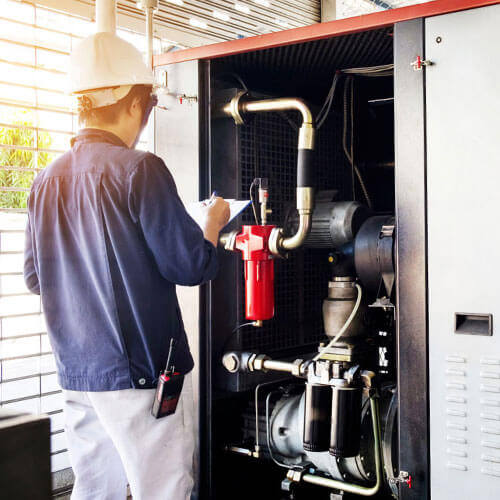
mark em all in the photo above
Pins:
pixel 105 67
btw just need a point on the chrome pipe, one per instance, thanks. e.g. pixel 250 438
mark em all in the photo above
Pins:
pixel 149 36
pixel 354 488
pixel 280 104
pixel 277 366
pixel 237 108
pixel 297 240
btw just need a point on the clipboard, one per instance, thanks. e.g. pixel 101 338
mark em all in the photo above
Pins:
pixel 195 209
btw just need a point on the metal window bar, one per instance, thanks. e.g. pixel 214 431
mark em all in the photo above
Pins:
pixel 31 148
pixel 31 87
pixel 38 27
pixel 32 45
pixel 15 357
pixel 33 66
pixel 41 129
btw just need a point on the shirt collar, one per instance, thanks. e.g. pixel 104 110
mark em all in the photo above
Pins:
pixel 89 135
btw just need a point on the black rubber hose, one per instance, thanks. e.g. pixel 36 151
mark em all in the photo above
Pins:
pixel 305 172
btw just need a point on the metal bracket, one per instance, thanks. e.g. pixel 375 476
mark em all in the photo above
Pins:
pixel 190 99
pixel 296 472
pixel 387 231
pixel 298 370
pixel 404 477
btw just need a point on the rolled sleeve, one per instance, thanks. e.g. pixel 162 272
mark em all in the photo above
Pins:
pixel 30 272
pixel 180 250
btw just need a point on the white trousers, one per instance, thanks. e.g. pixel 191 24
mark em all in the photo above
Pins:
pixel 113 440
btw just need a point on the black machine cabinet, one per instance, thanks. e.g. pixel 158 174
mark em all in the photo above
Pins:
pixel 387 116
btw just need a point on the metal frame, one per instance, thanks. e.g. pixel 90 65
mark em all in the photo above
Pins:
pixel 205 294
pixel 411 268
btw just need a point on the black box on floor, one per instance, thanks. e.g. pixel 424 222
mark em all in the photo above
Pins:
pixel 24 456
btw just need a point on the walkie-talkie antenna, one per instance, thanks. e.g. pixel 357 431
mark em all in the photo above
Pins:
pixel 170 351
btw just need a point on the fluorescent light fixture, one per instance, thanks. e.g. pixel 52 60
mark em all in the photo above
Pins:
pixel 221 15
pixel 282 23
pixel 242 8
pixel 264 3
pixel 198 24
pixel 177 2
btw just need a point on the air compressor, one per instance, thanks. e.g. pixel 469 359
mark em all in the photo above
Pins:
pixel 325 419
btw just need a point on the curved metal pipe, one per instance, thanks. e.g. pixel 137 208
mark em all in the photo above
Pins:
pixel 279 104
pixel 306 132
pixel 354 488
pixel 295 241
pixel 305 192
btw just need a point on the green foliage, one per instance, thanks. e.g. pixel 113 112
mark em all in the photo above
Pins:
pixel 21 136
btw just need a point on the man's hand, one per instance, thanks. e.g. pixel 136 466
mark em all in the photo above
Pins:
pixel 216 217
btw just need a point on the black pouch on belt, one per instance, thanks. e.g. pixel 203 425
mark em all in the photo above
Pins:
pixel 168 391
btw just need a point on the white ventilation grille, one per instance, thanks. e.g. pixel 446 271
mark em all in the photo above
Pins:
pixel 457 437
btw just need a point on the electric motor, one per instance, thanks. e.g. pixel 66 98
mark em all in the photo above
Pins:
pixel 334 223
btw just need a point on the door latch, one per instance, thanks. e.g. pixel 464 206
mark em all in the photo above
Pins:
pixel 419 63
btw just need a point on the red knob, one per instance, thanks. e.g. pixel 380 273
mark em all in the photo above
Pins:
pixel 408 482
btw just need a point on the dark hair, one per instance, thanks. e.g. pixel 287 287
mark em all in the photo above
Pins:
pixel 108 115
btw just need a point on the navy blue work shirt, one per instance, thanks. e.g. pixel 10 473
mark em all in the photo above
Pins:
pixel 107 240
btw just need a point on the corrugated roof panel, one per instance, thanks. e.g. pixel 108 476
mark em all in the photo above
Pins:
pixel 278 15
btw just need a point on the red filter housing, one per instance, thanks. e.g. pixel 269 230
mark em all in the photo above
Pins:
pixel 259 271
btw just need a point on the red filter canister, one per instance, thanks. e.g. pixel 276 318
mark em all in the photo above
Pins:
pixel 259 271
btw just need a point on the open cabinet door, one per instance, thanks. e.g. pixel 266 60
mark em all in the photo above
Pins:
pixel 463 151
pixel 411 279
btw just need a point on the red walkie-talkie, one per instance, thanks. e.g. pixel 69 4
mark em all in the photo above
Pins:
pixel 169 388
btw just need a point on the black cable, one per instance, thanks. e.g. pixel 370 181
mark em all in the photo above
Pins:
pixel 356 169
pixel 344 135
pixel 242 325
pixel 253 203
pixel 325 109
pixel 349 153
pixel 288 120
pixel 240 80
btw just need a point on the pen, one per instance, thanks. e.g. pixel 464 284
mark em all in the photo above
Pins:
pixel 212 198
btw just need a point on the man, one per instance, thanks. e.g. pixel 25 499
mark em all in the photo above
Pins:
pixel 107 240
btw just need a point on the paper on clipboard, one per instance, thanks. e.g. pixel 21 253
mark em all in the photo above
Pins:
pixel 196 209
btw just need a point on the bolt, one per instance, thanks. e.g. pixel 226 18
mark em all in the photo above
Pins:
pixel 230 362
pixel 368 474
pixel 439 39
